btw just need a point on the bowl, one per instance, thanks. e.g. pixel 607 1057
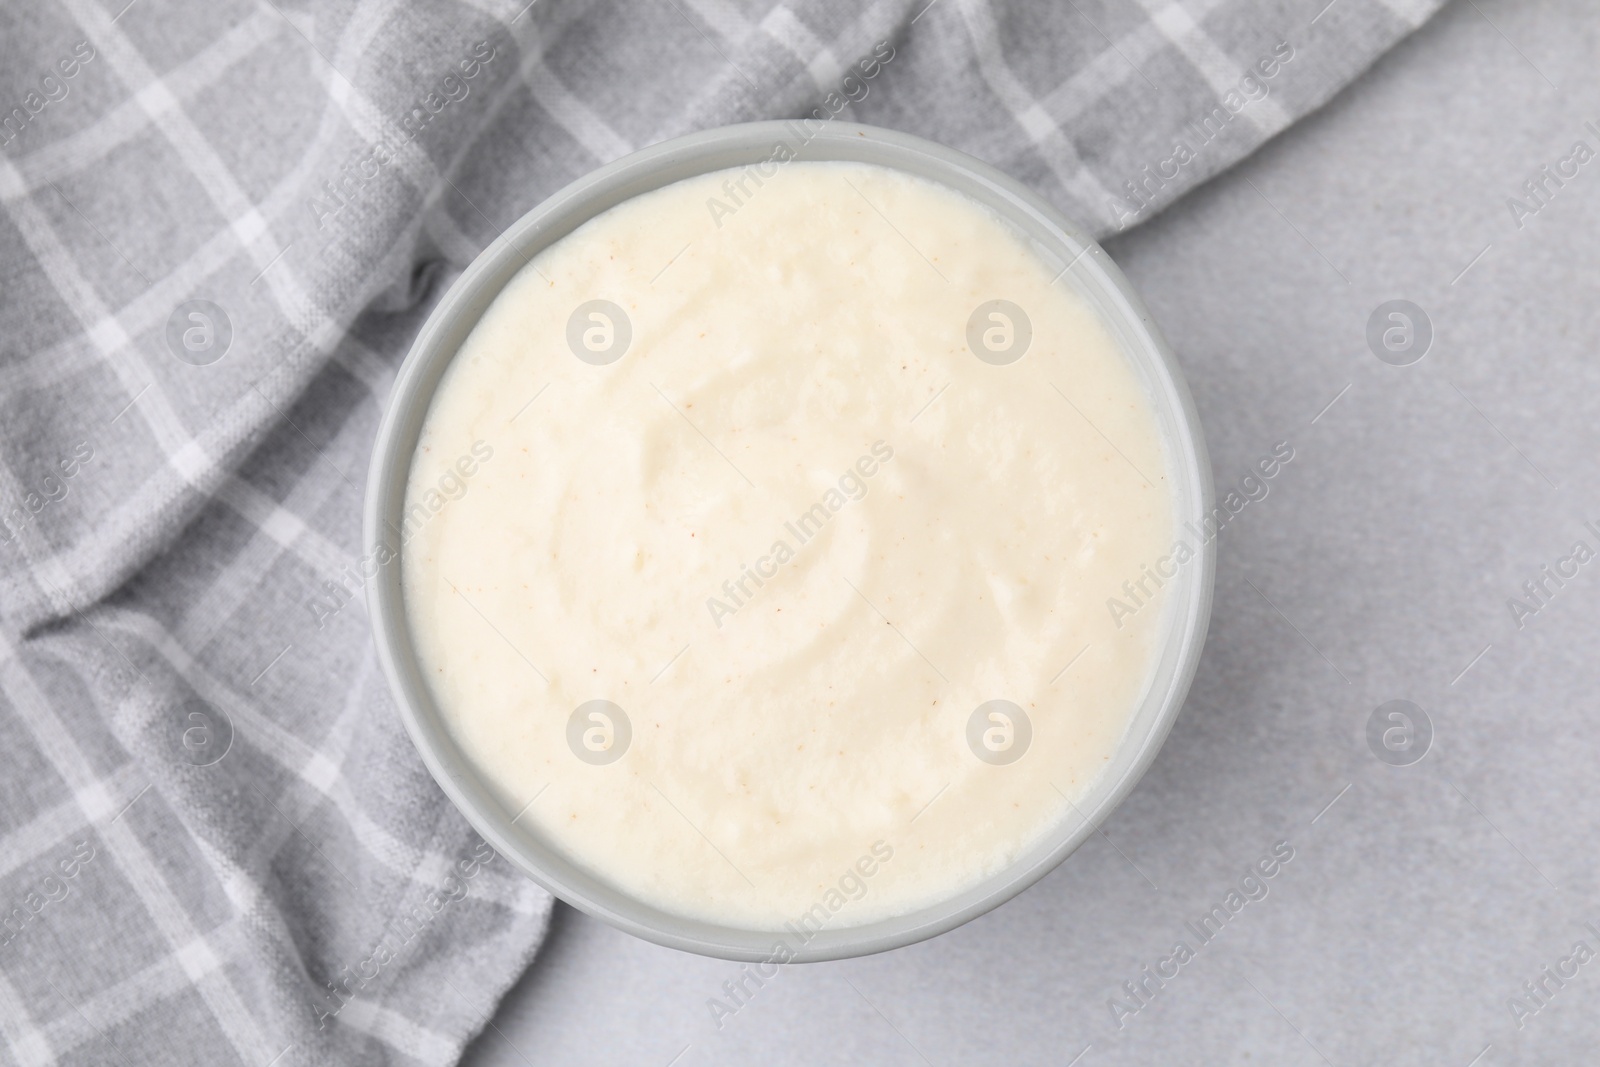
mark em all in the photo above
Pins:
pixel 1092 276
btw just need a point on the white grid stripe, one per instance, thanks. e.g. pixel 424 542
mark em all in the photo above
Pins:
pixel 133 860
pixel 1219 69
pixel 573 115
pixel 23 1036
pixel 784 27
pixel 724 18
pixel 1029 115
pixel 106 334
pixel 397 1031
pixel 311 766
pixel 1117 67
pixel 59 160
pixel 203 161
pixel 164 979
pixel 1414 12
pixel 61 823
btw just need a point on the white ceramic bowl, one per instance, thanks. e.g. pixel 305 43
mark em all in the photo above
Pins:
pixel 1092 275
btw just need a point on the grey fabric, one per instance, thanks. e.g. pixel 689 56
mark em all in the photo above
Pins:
pixel 221 227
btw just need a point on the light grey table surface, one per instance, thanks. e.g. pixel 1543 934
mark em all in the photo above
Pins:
pixel 1378 568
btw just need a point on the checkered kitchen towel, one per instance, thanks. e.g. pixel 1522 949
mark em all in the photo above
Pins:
pixel 221 223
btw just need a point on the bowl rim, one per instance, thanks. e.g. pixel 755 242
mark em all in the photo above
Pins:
pixel 1186 614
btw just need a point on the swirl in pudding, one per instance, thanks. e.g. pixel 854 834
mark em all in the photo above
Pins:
pixel 764 532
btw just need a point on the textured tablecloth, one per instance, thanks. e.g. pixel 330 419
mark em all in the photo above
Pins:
pixel 222 224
